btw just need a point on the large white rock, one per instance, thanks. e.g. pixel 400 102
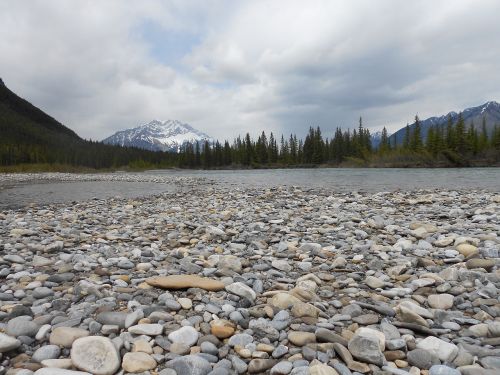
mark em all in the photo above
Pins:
pixel 445 351
pixel 186 335
pixel 95 354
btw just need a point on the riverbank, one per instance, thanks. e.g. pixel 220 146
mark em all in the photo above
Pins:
pixel 282 280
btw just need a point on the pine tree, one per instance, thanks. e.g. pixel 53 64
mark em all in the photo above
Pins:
pixel 406 139
pixel 483 137
pixel 460 145
pixel 416 136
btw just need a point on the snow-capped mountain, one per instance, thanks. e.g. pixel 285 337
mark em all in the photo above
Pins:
pixel 157 135
pixel 376 138
pixel 490 111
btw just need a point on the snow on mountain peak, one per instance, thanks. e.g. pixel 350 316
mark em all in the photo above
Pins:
pixel 157 135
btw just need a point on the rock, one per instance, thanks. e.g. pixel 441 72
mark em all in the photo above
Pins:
pixel 283 300
pixel 443 370
pixel 112 318
pixel 8 343
pixel 222 328
pixel 138 362
pixel 263 328
pixel 184 282
pixel 487 264
pixel 59 371
pixel 190 364
pixel 367 349
pixel 22 326
pixel 302 309
pixel 240 339
pixel 374 282
pixel 422 358
pixel 445 351
pixel 322 369
pixel 299 338
pixel 281 368
pixel 409 316
pixel 440 301
pixel 95 354
pixel 257 366
pixel 282 265
pixel 186 335
pixel 242 290
pixel 46 352
pixel 491 362
pixel 185 303
pixel 466 249
pixel 146 329
pixel 65 336
pixel 325 335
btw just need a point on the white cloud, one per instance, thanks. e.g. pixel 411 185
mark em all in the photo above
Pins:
pixel 249 65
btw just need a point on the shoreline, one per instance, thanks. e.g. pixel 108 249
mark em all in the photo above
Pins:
pixel 291 279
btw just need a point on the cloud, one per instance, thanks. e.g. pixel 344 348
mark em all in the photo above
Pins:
pixel 231 67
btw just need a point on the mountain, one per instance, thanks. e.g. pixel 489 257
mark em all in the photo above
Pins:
pixel 490 111
pixel 22 122
pixel 30 136
pixel 158 135
pixel 376 138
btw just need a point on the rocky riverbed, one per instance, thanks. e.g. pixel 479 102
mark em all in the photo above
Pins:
pixel 234 281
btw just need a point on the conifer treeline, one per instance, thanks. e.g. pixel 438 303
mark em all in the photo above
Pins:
pixel 454 144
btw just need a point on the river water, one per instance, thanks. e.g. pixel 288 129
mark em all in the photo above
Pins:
pixel 17 194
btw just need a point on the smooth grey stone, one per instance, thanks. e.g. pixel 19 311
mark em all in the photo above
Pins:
pixel 46 352
pixel 112 318
pixel 190 364
pixel 22 326
pixel 422 359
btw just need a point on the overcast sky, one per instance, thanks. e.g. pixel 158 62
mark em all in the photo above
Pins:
pixel 228 67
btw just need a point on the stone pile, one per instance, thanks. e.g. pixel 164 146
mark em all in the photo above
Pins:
pixel 234 281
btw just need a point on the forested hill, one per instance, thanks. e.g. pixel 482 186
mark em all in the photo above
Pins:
pixel 26 115
pixel 30 136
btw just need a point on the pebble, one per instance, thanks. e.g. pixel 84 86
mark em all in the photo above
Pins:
pixel 226 280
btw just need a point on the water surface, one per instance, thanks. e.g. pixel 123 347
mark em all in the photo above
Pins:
pixel 16 195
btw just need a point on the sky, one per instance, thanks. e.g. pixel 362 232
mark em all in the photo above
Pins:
pixel 231 67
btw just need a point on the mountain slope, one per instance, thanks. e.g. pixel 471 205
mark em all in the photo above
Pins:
pixel 490 111
pixel 22 122
pixel 158 135
pixel 30 136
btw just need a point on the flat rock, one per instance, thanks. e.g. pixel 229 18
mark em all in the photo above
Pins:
pixel 440 301
pixel 65 336
pixel 146 329
pixel 138 362
pixel 185 282
pixel 445 351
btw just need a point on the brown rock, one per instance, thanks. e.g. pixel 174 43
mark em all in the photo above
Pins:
pixel 184 282
pixel 222 329
pixel 487 264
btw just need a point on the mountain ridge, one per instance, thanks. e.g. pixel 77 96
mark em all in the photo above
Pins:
pixel 157 135
pixel 489 110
